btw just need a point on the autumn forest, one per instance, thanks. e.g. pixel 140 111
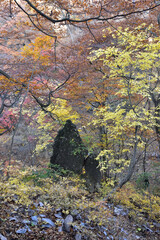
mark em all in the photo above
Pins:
pixel 96 63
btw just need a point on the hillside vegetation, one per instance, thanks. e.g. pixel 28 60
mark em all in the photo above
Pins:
pixel 35 202
pixel 94 63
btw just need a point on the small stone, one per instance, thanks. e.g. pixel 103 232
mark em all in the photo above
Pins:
pixel 110 238
pixel 78 217
pixel 120 211
pixel 60 229
pixel 34 218
pixel 82 224
pixel 105 233
pixel 46 226
pixel 78 236
pixel 74 212
pixel 137 237
pixel 67 223
pixel 13 219
pixel 58 215
pixel 21 230
pixel 25 221
pixel 156 224
pixel 28 229
pixel 2 237
pixel 58 209
pixel 41 204
pixel 75 228
pixel 124 231
pixel 49 221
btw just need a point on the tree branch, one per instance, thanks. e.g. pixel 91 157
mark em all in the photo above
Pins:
pixel 70 20
pixel 5 74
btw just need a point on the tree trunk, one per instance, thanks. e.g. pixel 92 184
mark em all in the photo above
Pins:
pixel 131 167
pixel 132 162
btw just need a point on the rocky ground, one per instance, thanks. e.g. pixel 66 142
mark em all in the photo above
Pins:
pixel 39 221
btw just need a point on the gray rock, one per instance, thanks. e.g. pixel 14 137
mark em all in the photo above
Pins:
pixel 58 209
pixel 156 224
pixel 25 221
pixel 120 211
pixel 60 229
pixel 110 238
pixel 105 233
pixel 93 174
pixel 21 231
pixel 68 149
pixel 78 217
pixel 46 226
pixel 74 212
pixel 82 224
pixel 67 223
pixel 78 236
pixel 13 219
pixel 58 215
pixel 137 237
pixel 124 231
pixel 28 228
pixel 2 237
pixel 41 204
pixel 34 218
pixel 49 221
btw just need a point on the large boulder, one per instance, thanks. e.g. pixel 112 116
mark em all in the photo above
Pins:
pixel 68 150
pixel 93 173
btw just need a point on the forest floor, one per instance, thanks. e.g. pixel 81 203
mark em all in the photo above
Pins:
pixel 46 205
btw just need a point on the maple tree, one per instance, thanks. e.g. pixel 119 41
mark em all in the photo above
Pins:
pixel 131 111
pixel 61 16
pixel 97 64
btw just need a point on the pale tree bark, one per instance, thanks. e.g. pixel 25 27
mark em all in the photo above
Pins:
pixel 131 167
pixel 133 162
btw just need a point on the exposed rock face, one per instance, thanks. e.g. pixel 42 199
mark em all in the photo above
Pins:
pixel 68 149
pixel 93 174
pixel 70 153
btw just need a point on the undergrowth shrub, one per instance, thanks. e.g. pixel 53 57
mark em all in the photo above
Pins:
pixel 67 193
pixel 53 172
pixel 143 180
pixel 140 202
